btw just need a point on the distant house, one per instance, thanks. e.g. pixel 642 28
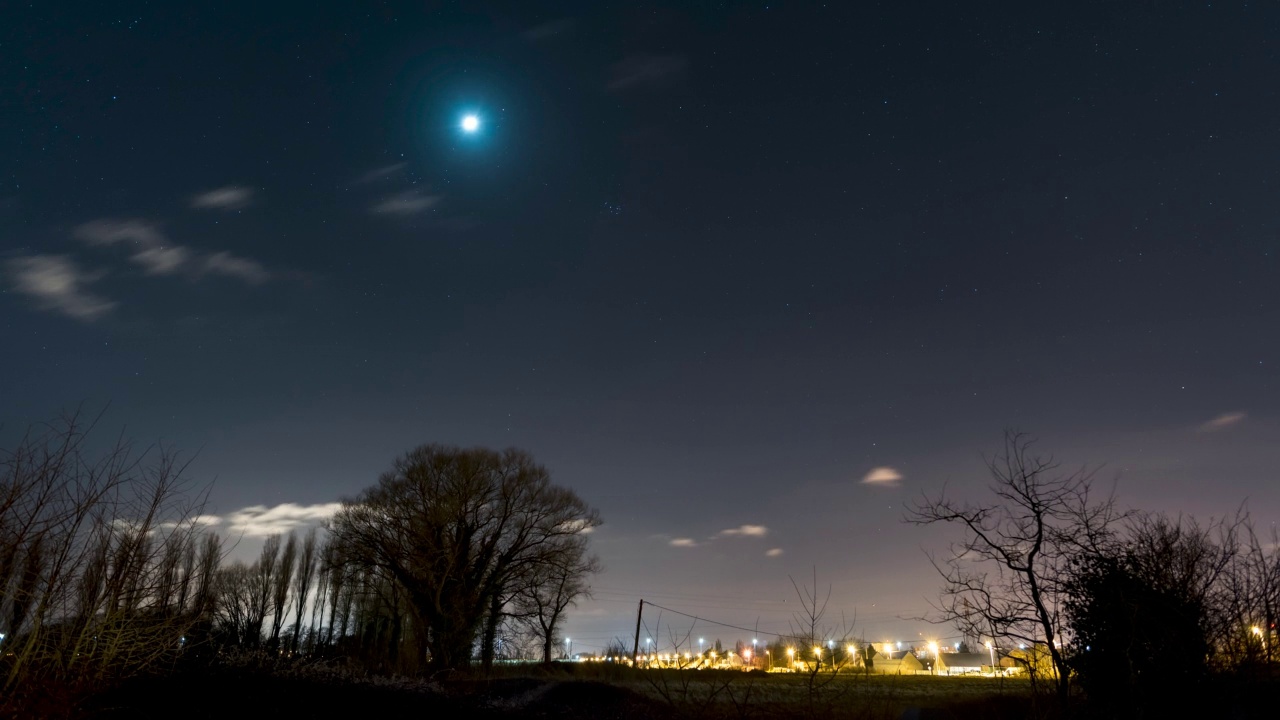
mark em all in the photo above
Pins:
pixel 901 662
pixel 1035 659
pixel 963 663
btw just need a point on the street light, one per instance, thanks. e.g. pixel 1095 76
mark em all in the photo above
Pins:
pixel 933 648
pixel 568 648
pixel 992 649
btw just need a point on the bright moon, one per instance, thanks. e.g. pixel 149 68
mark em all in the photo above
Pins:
pixel 471 123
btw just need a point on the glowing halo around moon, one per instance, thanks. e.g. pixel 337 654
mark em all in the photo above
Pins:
pixel 470 123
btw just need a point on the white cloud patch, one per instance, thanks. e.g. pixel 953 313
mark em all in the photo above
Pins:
pixel 409 202
pixel 262 521
pixel 57 284
pixel 746 531
pixel 645 70
pixel 774 552
pixel 1224 421
pixel 883 476
pixel 683 542
pixel 224 263
pixel 579 526
pixel 231 197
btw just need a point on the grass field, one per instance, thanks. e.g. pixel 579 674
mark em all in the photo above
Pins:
pixel 596 692
pixel 557 692
pixel 731 694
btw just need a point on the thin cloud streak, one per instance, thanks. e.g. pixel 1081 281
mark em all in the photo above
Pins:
pixel 161 260
pixel 549 30
pixel 1224 421
pixel 645 70
pixel 746 531
pixel 150 249
pixel 224 263
pixel 381 173
pixel 106 231
pixel 683 542
pixel 410 202
pixel 231 197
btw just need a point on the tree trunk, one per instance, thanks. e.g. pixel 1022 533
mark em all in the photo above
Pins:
pixel 451 645
pixel 548 639
pixel 491 632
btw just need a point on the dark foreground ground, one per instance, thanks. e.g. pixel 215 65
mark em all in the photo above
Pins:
pixel 558 693
pixel 571 693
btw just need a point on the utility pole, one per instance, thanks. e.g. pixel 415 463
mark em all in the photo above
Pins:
pixel 635 648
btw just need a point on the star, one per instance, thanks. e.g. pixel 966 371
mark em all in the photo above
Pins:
pixel 470 123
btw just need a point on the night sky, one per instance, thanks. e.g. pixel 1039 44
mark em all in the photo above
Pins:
pixel 747 276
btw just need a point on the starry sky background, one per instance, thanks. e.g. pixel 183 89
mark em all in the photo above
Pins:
pixel 716 264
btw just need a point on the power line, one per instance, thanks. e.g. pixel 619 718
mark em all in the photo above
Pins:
pixel 721 624
pixel 756 631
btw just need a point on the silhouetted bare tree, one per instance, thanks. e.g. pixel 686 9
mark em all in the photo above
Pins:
pixel 90 543
pixel 302 585
pixel 280 589
pixel 1005 577
pixel 551 588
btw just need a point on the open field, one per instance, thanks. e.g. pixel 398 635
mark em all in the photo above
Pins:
pixel 561 692
pixel 579 692
pixel 853 695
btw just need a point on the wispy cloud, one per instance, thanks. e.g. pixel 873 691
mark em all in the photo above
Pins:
pixel 149 248
pixel 107 231
pixel 683 542
pixel 147 245
pixel 224 263
pixel 231 197
pixel 579 526
pixel 883 476
pixel 550 30
pixel 409 202
pixel 192 522
pixel 263 521
pixel 746 531
pixel 162 260
pixel 1224 421
pixel 774 552
pixel 381 173
pixel 645 70
pixel 57 284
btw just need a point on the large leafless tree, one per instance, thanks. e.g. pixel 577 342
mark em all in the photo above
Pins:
pixel 455 528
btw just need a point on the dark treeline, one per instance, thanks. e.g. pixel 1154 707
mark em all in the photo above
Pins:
pixel 109 570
